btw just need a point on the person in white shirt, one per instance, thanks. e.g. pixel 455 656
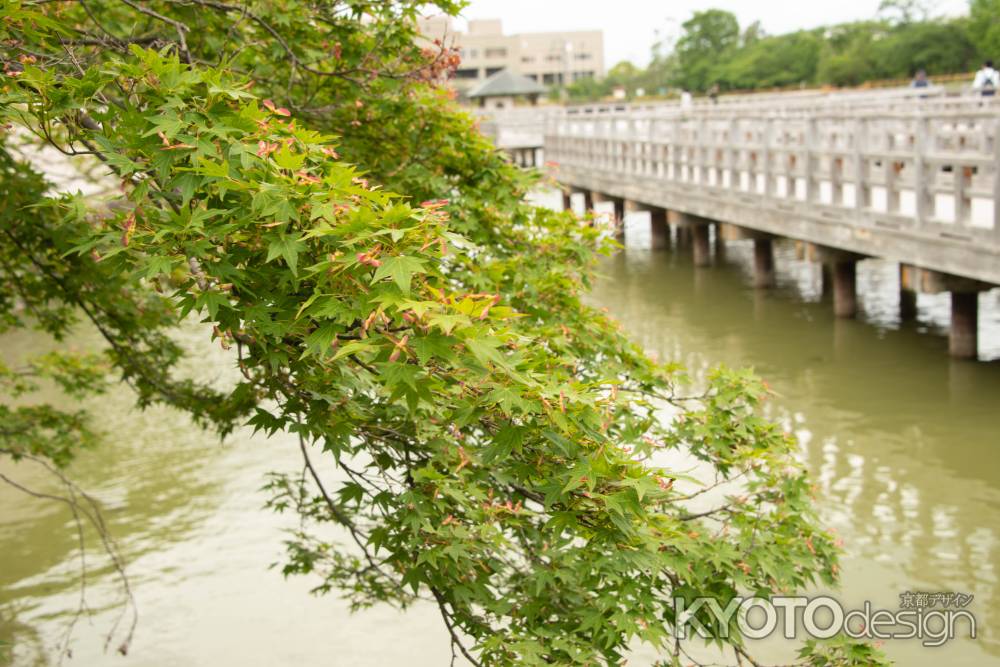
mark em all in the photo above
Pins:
pixel 987 80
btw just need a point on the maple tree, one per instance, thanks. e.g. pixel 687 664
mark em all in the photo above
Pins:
pixel 293 176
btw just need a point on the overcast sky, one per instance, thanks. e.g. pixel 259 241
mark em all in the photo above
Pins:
pixel 630 26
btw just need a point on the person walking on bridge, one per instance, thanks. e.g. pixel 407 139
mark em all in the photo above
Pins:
pixel 987 80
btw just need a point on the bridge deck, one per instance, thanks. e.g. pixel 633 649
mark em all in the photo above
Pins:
pixel 920 186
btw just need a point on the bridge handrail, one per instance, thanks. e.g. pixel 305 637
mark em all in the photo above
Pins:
pixel 945 164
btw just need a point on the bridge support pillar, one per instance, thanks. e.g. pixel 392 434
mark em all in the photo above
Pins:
pixel 763 263
pixel 843 277
pixel 907 293
pixel 693 230
pixel 702 248
pixel 763 251
pixel 826 282
pixel 524 157
pixel 659 229
pixel 907 305
pixel 683 237
pixel 845 294
pixel 619 211
pixel 720 244
pixel 619 217
pixel 963 338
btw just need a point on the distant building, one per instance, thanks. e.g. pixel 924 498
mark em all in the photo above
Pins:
pixel 549 58
pixel 506 89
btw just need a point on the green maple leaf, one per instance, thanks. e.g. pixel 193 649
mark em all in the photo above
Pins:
pixel 400 269
pixel 287 247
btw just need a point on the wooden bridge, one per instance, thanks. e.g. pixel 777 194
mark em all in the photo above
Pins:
pixel 911 176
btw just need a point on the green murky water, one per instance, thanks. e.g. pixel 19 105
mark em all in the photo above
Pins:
pixel 902 442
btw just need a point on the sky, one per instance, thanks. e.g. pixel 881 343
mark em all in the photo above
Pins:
pixel 632 26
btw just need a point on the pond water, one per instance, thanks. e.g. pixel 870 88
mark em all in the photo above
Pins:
pixel 901 441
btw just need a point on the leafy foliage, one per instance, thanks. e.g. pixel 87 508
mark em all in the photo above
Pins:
pixel 712 50
pixel 838 652
pixel 290 175
pixel 983 27
pixel 707 35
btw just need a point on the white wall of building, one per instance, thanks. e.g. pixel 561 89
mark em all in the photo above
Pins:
pixel 548 57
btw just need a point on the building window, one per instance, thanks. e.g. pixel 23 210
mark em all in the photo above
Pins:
pixel 527 59
pixel 583 56
pixel 579 76
pixel 496 53
pixel 467 73
pixel 550 78
pixel 490 71
pixel 554 58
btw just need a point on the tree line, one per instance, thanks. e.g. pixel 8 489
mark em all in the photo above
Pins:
pixel 714 50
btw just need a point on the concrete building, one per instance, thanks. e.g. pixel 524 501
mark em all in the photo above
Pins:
pixel 549 58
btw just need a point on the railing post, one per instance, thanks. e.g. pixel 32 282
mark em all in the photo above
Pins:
pixel 628 148
pixel 677 152
pixel 623 147
pixel 894 193
pixel 837 180
pixel 862 189
pixel 619 154
pixel 768 139
pixel 642 146
pixel 701 151
pixel 963 204
pixel 920 189
pixel 636 147
pixel 962 177
pixel 812 182
pixel 792 166
pixel 733 154
pixel 654 150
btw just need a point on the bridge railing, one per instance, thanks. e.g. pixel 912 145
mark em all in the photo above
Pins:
pixel 933 171
pixel 772 101
pixel 521 127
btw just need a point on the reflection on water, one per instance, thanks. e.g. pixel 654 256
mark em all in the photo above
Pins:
pixel 899 438
pixel 187 513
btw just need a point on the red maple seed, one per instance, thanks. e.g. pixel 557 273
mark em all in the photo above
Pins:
pixel 280 111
